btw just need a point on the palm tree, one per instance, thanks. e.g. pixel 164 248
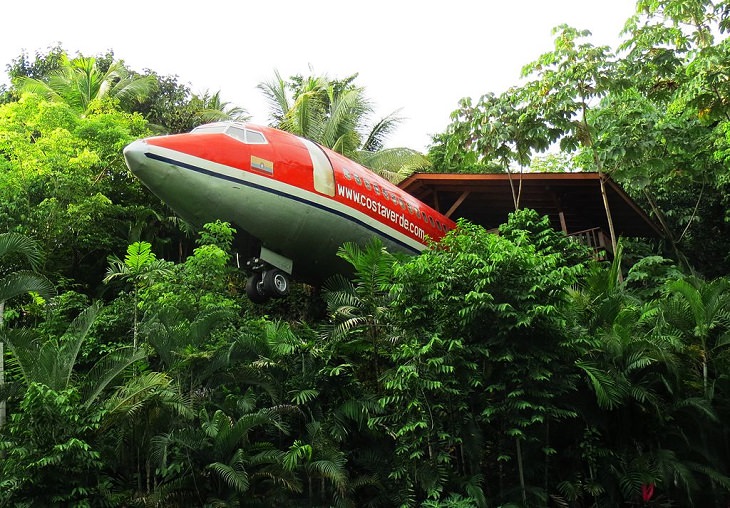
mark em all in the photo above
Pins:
pixel 214 109
pixel 336 114
pixel 16 283
pixel 359 307
pixel 80 81
pixel 227 459
pixel 51 361
pixel 181 344
pixel 700 311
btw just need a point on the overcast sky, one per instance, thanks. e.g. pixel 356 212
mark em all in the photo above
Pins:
pixel 417 56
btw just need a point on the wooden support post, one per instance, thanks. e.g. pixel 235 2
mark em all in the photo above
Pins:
pixel 563 225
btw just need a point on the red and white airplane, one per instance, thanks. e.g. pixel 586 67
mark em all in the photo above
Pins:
pixel 294 201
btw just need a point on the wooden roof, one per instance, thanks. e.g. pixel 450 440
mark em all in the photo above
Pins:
pixel 486 199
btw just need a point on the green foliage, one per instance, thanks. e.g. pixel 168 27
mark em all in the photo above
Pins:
pixel 171 107
pixel 205 281
pixel 52 361
pixel 65 182
pixel 493 370
pixel 485 345
pixel 16 247
pixel 218 234
pixel 79 82
pixel 48 458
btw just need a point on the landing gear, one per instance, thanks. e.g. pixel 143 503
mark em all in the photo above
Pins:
pixel 272 283
pixel 255 289
pixel 276 283
pixel 270 277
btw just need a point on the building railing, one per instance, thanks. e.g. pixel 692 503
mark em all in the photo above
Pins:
pixel 596 239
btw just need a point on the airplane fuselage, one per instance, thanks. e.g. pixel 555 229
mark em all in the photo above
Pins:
pixel 299 200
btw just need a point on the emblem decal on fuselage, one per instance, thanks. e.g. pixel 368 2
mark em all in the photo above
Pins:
pixel 262 165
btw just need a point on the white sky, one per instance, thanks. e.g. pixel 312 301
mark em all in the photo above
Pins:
pixel 417 56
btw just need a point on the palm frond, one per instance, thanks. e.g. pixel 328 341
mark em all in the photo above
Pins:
pixel 394 164
pixel 106 369
pixel 332 470
pixel 23 282
pixel 375 140
pixel 346 110
pixel 130 398
pixel 15 243
pixel 70 343
pixel 275 92
pixel 609 393
pixel 235 475
pixel 24 345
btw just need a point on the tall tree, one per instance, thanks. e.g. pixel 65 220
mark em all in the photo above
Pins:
pixel 485 362
pixel 140 267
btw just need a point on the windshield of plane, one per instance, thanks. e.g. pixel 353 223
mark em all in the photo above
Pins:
pixel 239 132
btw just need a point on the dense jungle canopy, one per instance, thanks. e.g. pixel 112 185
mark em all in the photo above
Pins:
pixel 509 369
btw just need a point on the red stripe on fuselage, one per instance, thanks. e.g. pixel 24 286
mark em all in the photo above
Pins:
pixel 355 186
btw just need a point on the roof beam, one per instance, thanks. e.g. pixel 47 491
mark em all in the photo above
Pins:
pixel 457 203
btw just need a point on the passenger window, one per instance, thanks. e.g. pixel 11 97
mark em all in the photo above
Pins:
pixel 357 179
pixel 377 189
pixel 347 173
pixel 367 184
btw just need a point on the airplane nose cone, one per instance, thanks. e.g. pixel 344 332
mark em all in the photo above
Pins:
pixel 146 166
pixel 134 155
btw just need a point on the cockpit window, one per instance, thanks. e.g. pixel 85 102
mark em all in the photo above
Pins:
pixel 254 138
pixel 236 133
pixel 212 128
pixel 239 132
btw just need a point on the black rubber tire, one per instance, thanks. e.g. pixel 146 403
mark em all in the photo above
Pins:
pixel 276 283
pixel 254 289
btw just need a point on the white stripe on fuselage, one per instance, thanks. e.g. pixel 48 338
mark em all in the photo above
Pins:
pixel 285 189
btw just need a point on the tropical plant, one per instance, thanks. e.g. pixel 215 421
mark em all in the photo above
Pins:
pixel 51 362
pixel 700 311
pixel 358 307
pixel 226 460
pixel 14 283
pixel 484 362
pixel 18 282
pixel 79 82
pixel 140 267
pixel 49 457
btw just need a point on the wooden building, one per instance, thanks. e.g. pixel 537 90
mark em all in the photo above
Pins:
pixel 572 201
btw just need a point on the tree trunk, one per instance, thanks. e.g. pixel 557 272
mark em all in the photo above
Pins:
pixel 609 217
pixel 521 471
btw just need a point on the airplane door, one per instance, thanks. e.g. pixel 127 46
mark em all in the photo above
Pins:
pixel 324 174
